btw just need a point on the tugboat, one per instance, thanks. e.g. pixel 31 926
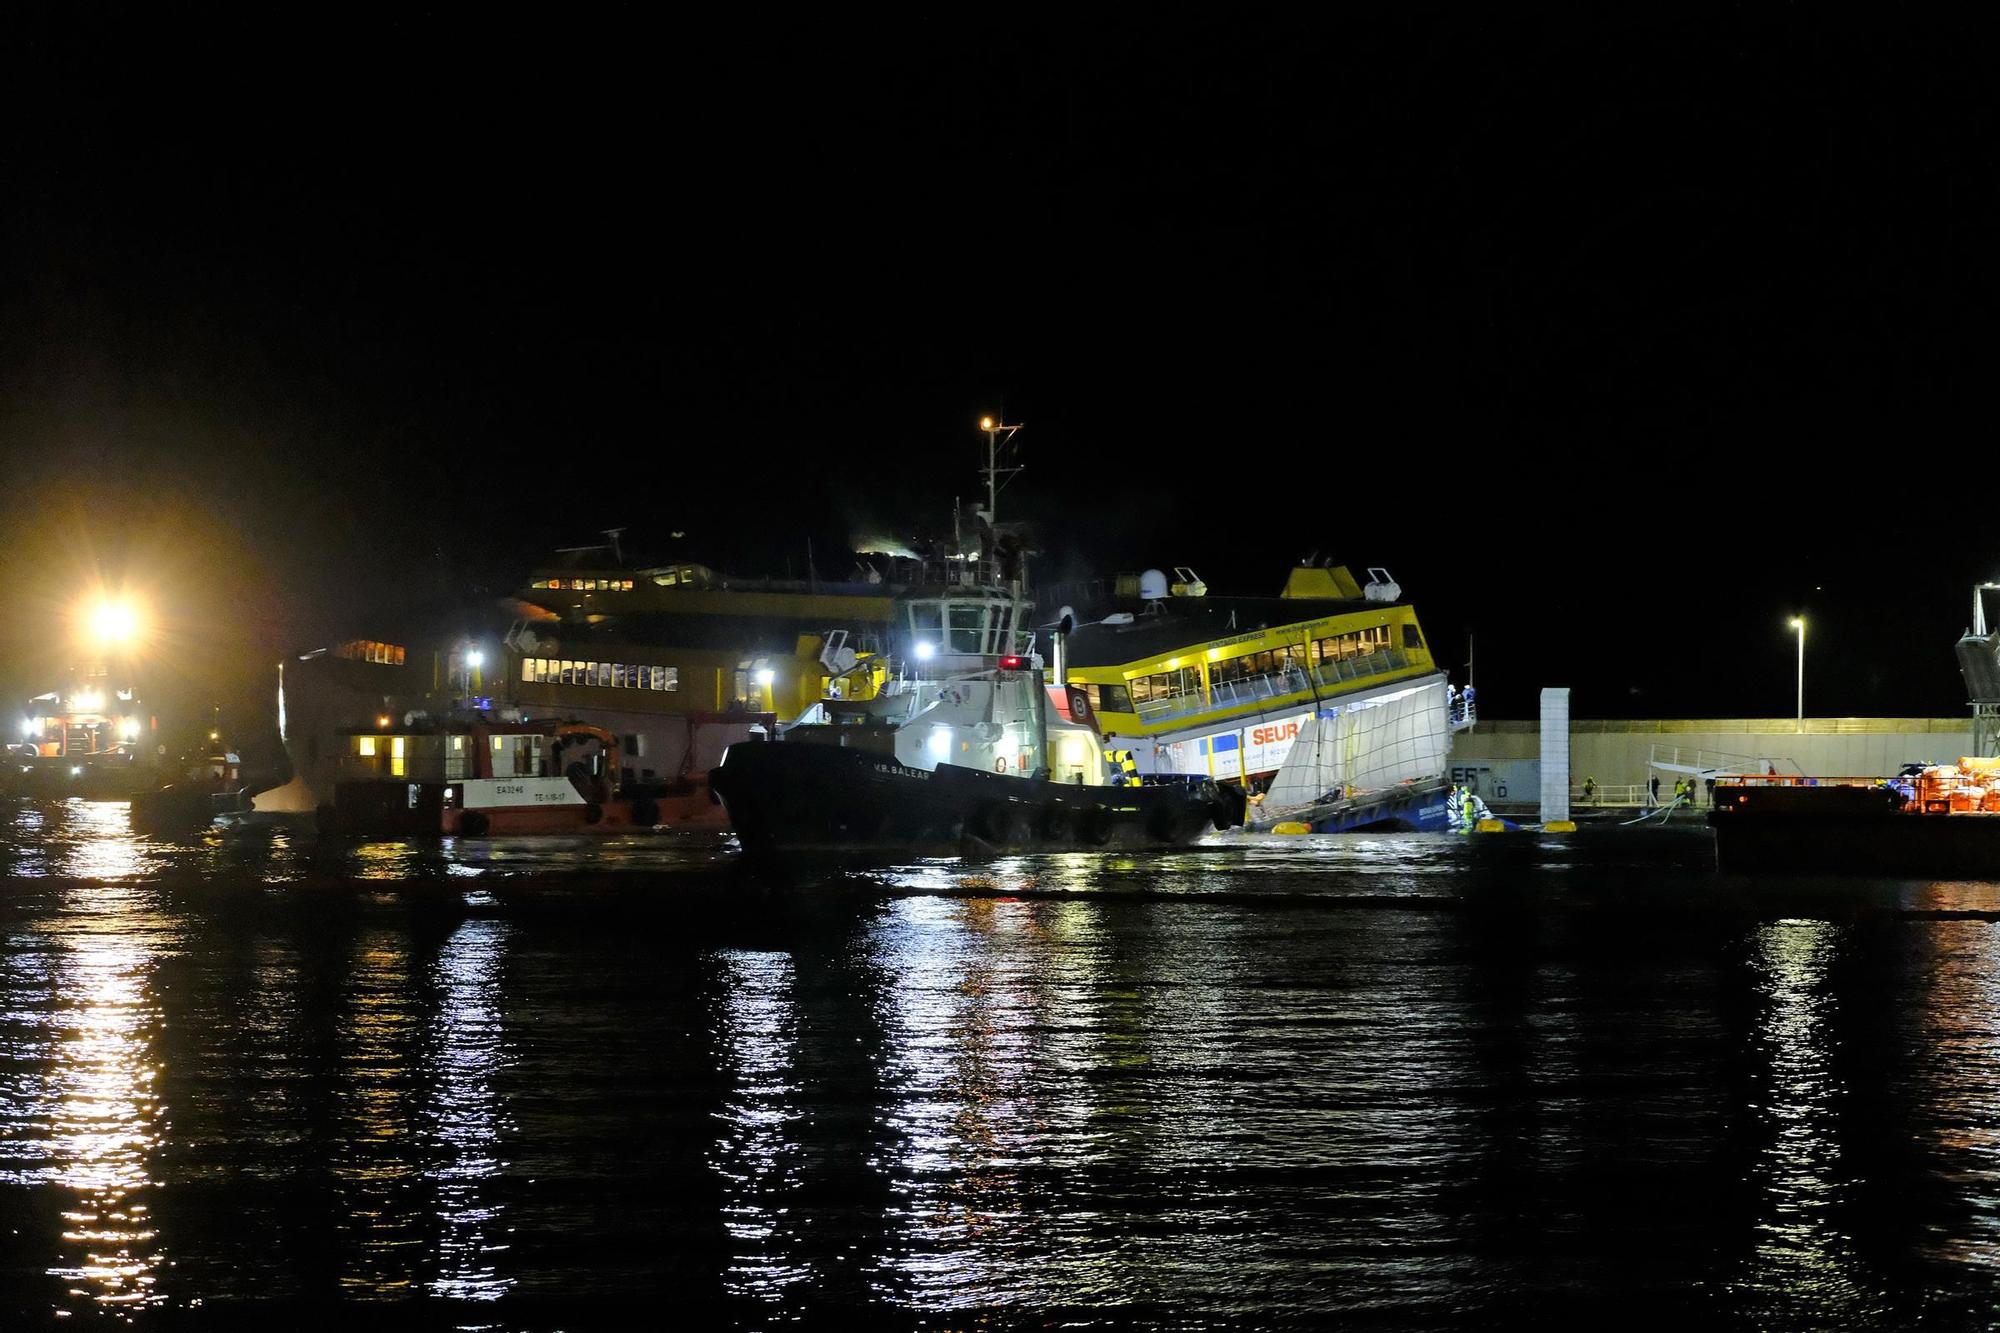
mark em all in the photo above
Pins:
pixel 479 778
pixel 951 741
pixel 958 750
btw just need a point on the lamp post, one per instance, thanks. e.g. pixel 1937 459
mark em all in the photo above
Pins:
pixel 1799 624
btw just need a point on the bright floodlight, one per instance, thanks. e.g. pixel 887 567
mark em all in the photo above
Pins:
pixel 925 651
pixel 475 658
pixel 986 423
pixel 1798 622
pixel 766 676
pixel 114 622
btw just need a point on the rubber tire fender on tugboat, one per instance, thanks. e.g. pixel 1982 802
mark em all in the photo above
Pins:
pixel 1052 824
pixel 1163 823
pixel 593 813
pixel 998 822
pixel 474 823
pixel 1094 826
pixel 645 811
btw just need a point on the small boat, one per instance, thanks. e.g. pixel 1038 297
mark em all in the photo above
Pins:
pixel 476 778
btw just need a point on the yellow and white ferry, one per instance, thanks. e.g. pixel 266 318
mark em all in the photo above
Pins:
pixel 1324 700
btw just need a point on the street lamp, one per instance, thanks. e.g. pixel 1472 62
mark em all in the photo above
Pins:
pixel 1799 624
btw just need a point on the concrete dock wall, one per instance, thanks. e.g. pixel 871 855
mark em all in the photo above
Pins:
pixel 1619 753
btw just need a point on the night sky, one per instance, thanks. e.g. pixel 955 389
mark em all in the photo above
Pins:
pixel 1617 345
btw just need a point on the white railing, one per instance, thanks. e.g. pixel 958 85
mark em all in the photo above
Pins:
pixel 1333 672
pixel 1692 759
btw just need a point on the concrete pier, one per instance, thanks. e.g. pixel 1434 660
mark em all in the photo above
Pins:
pixel 1501 760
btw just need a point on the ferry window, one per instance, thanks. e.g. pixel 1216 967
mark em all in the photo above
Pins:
pixel 398 752
pixel 601 673
pixel 365 746
pixel 618 675
pixel 1411 637
pixel 1116 699
pixel 673 677
pixel 527 670
pixel 635 746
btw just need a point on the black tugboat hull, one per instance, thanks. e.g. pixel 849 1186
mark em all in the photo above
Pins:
pixel 1849 831
pixel 805 797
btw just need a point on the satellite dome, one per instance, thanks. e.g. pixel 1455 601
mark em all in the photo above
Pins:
pixel 1153 585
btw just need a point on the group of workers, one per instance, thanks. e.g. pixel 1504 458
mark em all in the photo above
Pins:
pixel 1684 791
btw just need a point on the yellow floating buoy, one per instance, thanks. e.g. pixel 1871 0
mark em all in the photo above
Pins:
pixel 1291 826
pixel 1491 826
pixel 1559 826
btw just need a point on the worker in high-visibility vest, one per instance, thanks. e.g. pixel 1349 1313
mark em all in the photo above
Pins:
pixel 1127 766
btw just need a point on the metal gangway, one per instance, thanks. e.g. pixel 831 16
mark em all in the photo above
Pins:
pixel 1703 763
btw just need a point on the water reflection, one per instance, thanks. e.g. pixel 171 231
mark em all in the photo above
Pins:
pixel 464 1120
pixel 106 1117
pixel 1800 1254
pixel 758 1154
pixel 373 1164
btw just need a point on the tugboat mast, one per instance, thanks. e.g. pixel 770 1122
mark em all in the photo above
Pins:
pixel 999 436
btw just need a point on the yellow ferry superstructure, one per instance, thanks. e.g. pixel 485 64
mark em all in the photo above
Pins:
pixel 1220 686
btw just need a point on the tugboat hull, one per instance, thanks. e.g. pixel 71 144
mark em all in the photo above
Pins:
pixel 1850 831
pixel 802 796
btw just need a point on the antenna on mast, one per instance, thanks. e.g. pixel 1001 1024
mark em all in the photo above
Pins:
pixel 999 441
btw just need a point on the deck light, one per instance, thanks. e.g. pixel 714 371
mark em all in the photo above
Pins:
pixel 766 676
pixel 87 701
pixel 475 658
pixel 27 726
pixel 383 722
pixel 940 743
pixel 129 728
pixel 926 651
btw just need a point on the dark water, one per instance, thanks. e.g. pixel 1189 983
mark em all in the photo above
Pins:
pixel 1413 1082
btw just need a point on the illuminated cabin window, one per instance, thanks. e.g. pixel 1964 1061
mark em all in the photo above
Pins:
pixel 369 650
pixel 605 675
pixel 365 746
pixel 1108 698
pixel 398 757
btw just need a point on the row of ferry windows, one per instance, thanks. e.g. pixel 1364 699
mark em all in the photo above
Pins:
pixel 368 650
pixel 586 585
pixel 1187 680
pixel 616 675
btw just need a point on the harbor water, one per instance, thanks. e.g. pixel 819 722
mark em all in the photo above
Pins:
pixel 1409 1081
